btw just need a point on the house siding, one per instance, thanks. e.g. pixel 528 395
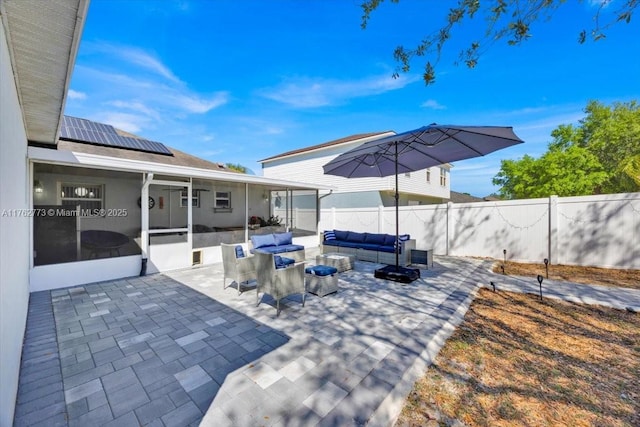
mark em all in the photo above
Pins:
pixel 14 235
pixel 307 167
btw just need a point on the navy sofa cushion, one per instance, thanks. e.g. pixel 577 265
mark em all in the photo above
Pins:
pixel 369 246
pixel 374 238
pixel 321 270
pixel 356 237
pixel 263 240
pixel 341 235
pixel 370 241
pixel 389 240
pixel 348 244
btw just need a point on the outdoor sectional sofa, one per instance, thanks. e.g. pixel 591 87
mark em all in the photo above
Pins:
pixel 372 247
pixel 277 244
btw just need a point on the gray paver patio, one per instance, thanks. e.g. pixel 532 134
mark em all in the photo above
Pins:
pixel 178 349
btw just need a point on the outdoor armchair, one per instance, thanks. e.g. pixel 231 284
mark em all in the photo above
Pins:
pixel 278 282
pixel 240 269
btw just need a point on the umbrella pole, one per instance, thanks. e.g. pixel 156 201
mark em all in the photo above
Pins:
pixel 397 196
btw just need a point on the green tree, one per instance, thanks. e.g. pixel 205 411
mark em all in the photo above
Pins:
pixel 631 167
pixel 600 155
pixel 570 172
pixel 236 167
pixel 505 19
pixel 613 135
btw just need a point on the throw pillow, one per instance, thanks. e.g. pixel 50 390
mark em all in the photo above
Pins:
pixel 403 238
pixel 239 252
pixel 262 240
pixel 341 235
pixel 329 235
pixel 282 239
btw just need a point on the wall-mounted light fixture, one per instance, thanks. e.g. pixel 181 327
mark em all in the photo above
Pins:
pixel 37 186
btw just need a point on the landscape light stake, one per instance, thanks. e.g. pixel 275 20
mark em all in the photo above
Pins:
pixel 494 286
pixel 546 266
pixel 540 279
pixel 504 251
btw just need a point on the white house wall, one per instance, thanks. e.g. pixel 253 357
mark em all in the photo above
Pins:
pixel 55 276
pixel 14 235
pixel 307 167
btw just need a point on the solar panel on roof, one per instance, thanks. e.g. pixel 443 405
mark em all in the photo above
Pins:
pixel 86 131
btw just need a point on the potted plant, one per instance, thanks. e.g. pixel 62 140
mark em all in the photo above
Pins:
pixel 255 222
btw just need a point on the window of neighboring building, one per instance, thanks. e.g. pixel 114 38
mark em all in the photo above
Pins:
pixel 407 174
pixel 88 196
pixel 222 200
pixel 428 175
pixel 195 198
pixel 443 176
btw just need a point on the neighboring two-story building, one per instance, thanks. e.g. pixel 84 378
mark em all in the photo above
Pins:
pixel 426 186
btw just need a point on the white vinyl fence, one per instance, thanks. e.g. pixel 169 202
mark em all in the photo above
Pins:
pixel 599 231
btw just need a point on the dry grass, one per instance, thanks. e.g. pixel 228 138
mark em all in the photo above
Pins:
pixel 519 361
pixel 588 275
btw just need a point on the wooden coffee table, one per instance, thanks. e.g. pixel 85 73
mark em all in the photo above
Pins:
pixel 342 262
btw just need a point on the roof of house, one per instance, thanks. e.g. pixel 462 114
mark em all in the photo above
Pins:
pixel 456 197
pixel 335 142
pixel 43 39
pixel 175 157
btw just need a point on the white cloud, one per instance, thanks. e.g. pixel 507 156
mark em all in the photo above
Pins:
pixel 196 104
pixel 143 80
pixel 74 94
pixel 140 58
pixel 136 106
pixel 132 123
pixel 306 92
pixel 433 104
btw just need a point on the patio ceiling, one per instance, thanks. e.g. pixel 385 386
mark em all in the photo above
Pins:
pixel 43 42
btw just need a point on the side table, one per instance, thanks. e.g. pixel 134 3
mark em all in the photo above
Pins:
pixel 342 262
pixel 422 256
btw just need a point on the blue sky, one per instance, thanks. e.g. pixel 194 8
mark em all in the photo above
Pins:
pixel 239 81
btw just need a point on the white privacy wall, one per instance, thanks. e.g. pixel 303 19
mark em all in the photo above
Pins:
pixel 599 231
pixel 487 229
pixel 14 235
pixel 602 231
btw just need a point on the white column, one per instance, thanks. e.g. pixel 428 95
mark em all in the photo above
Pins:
pixel 144 215
pixel 189 217
pixel 246 212
pixel 380 219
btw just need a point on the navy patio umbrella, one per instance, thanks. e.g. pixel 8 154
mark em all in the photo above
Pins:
pixel 418 149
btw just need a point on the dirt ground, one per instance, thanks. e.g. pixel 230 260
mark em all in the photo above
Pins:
pixel 519 361
pixel 588 275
